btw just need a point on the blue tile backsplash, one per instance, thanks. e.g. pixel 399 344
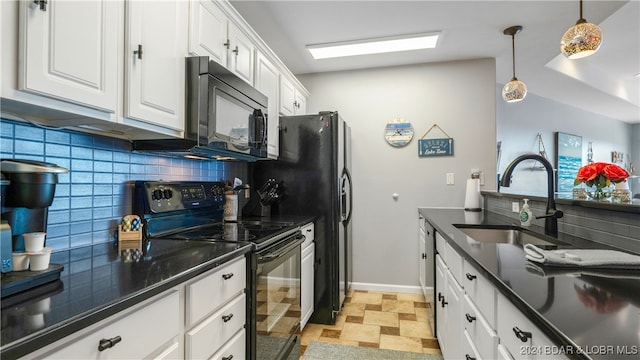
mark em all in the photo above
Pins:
pixel 95 194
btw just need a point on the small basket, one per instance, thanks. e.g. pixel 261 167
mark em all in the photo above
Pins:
pixel 129 239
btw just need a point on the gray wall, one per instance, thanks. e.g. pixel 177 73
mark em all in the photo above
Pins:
pixel 519 123
pixel 460 98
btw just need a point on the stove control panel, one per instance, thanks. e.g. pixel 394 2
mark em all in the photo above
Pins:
pixel 160 196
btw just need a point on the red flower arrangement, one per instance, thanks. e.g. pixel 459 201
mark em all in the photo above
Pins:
pixel 601 175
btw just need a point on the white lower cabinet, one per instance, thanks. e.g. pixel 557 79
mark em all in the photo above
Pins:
pixel 150 329
pixel 234 349
pixel 216 312
pixel 521 338
pixel 307 278
pixel 474 321
pixel 453 307
pixel 203 318
pixel 206 338
pixel 481 333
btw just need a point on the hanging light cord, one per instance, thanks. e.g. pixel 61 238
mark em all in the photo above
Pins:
pixel 513 55
pixel 581 20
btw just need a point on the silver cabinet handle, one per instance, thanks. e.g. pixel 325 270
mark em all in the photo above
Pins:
pixel 235 51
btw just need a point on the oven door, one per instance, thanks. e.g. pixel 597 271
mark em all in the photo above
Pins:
pixel 277 300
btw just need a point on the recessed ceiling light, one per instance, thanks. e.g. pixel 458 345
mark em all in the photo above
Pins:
pixel 637 75
pixel 374 46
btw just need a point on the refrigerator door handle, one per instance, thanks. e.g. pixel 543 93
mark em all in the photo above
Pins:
pixel 346 201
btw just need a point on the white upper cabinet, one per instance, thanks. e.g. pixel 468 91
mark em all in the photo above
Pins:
pixel 267 83
pixel 208 31
pixel 292 100
pixel 155 53
pixel 69 51
pixel 241 54
pixel 212 34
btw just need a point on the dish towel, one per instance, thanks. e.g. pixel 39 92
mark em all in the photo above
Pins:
pixel 609 259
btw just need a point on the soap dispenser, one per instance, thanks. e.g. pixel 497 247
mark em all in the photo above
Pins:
pixel 525 214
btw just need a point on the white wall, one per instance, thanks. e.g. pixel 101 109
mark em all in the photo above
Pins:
pixel 460 98
pixel 519 123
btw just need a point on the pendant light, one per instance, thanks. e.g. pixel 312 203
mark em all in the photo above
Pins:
pixel 581 40
pixel 515 90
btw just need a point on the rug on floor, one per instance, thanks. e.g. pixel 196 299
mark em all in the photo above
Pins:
pixel 325 351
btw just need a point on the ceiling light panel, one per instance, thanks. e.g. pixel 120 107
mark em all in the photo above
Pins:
pixel 374 46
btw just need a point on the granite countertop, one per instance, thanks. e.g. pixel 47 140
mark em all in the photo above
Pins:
pixel 96 283
pixel 574 307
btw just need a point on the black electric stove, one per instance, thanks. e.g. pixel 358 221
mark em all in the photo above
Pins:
pixel 191 212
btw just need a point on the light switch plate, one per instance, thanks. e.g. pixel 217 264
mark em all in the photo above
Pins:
pixel 450 179
pixel 515 207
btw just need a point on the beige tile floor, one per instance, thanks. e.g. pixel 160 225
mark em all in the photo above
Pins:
pixel 381 320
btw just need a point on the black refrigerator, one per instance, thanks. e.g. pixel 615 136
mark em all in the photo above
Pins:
pixel 314 169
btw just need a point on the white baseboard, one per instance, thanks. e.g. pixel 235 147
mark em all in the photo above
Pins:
pixel 407 289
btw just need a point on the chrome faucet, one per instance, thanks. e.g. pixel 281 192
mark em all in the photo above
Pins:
pixel 552 215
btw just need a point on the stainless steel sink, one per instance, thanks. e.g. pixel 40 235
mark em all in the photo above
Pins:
pixel 506 235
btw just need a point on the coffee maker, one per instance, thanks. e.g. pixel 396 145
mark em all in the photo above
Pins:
pixel 28 191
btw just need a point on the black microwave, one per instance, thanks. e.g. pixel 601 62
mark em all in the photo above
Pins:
pixel 226 118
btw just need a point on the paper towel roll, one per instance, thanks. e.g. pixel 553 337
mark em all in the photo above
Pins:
pixel 472 196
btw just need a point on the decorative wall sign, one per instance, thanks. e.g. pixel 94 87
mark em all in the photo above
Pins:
pixel 568 160
pixel 617 156
pixel 398 133
pixel 435 147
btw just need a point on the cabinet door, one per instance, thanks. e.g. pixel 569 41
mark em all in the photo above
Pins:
pixel 287 97
pixel 208 31
pixel 69 51
pixel 422 250
pixel 300 104
pixel 453 307
pixel 441 314
pixel 241 54
pixel 267 83
pixel 307 284
pixel 155 62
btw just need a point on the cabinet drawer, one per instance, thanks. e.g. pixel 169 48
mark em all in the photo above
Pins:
pixel 480 331
pixel 468 348
pixel 234 349
pixel 481 291
pixel 454 262
pixel 309 233
pixel 205 339
pixel 214 289
pixel 142 332
pixel 511 323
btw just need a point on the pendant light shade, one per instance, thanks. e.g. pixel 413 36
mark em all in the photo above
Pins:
pixel 581 40
pixel 515 90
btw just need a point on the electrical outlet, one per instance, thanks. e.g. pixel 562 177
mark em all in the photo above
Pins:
pixel 515 207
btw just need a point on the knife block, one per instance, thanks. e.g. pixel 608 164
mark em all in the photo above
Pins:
pixel 255 208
